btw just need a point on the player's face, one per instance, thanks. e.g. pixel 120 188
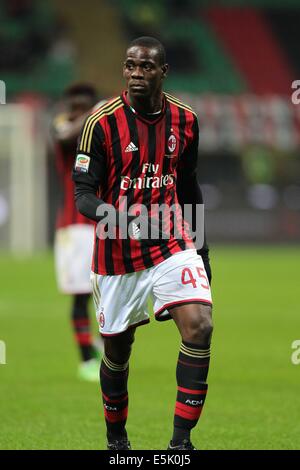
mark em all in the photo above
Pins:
pixel 143 72
pixel 78 105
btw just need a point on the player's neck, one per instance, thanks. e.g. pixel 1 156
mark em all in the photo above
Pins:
pixel 147 105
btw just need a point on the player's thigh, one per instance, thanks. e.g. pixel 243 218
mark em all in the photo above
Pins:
pixel 121 301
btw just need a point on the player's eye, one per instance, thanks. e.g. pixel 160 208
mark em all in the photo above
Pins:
pixel 128 65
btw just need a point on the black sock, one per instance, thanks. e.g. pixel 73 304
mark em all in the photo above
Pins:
pixel 191 374
pixel 113 378
pixel 81 326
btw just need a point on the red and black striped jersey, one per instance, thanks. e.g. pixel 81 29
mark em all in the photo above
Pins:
pixel 67 213
pixel 142 157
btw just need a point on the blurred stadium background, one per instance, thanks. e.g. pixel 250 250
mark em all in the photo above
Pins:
pixel 234 61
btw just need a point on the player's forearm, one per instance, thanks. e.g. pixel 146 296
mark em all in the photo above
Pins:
pixel 189 192
pixel 87 204
pixel 96 209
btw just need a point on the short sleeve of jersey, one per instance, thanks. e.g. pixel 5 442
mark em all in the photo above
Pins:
pixel 90 157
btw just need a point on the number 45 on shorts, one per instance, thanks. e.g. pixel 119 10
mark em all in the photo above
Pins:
pixel 194 276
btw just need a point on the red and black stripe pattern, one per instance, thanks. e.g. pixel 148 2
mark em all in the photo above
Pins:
pixel 82 326
pixel 191 373
pixel 141 161
pixel 67 212
pixel 82 331
pixel 114 379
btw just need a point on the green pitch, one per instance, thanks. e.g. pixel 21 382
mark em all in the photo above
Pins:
pixel 253 400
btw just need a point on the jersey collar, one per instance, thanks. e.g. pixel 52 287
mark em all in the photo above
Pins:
pixel 124 98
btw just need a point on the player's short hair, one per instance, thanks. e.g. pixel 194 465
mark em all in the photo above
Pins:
pixel 81 88
pixel 151 43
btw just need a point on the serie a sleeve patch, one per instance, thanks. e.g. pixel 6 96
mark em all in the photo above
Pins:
pixel 82 163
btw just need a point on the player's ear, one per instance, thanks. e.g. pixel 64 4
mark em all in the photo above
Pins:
pixel 165 69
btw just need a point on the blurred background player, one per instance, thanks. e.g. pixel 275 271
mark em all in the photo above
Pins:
pixel 74 232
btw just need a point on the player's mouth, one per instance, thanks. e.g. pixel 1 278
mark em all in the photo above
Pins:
pixel 137 86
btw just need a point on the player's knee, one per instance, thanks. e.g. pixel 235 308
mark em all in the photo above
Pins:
pixel 119 354
pixel 199 328
pixel 118 348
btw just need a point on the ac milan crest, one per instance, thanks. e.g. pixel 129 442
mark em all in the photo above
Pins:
pixel 172 142
pixel 101 319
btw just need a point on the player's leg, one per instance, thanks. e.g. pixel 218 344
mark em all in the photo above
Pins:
pixel 89 367
pixel 81 326
pixel 182 292
pixel 113 378
pixel 73 253
pixel 121 307
pixel 194 322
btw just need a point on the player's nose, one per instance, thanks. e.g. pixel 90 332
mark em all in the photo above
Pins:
pixel 137 72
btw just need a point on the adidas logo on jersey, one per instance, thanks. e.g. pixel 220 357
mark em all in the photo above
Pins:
pixel 136 232
pixel 131 148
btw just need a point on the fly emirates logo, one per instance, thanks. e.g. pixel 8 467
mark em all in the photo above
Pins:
pixel 147 181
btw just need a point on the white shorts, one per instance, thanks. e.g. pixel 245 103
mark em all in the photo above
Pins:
pixel 121 301
pixel 73 250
